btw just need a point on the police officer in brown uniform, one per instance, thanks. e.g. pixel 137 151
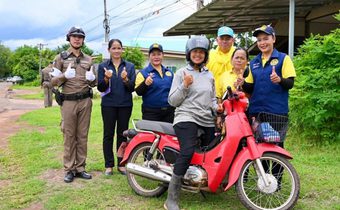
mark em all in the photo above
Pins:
pixel 76 77
pixel 46 84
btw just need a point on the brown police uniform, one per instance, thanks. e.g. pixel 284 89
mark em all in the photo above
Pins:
pixel 46 84
pixel 76 108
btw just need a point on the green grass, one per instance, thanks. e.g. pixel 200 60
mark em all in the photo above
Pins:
pixel 32 153
pixel 31 96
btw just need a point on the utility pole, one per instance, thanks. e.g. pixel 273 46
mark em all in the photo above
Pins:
pixel 106 24
pixel 200 4
pixel 106 33
pixel 40 47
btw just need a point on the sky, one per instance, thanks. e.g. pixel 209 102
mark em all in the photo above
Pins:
pixel 134 22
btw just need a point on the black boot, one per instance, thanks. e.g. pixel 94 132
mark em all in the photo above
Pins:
pixel 171 202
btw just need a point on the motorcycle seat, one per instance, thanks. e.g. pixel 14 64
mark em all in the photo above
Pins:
pixel 156 126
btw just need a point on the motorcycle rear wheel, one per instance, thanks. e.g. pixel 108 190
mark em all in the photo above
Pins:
pixel 142 185
pixel 282 193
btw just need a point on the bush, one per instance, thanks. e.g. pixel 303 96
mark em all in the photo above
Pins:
pixel 314 100
pixel 135 56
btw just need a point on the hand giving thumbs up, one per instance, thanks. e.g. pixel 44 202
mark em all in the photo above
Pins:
pixel 187 79
pixel 70 72
pixel 124 74
pixel 274 77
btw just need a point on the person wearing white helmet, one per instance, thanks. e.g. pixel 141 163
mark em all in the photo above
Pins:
pixel 74 73
pixel 193 94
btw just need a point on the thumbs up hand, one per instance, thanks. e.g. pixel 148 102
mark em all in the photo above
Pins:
pixel 107 73
pixel 90 75
pixel 187 80
pixel 55 73
pixel 124 74
pixel 274 77
pixel 149 80
pixel 70 72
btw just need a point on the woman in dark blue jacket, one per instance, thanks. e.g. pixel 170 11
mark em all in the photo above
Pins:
pixel 116 82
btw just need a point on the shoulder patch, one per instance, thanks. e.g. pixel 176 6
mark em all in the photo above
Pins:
pixel 168 74
pixel 64 54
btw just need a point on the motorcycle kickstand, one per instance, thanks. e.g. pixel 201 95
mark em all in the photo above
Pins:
pixel 203 195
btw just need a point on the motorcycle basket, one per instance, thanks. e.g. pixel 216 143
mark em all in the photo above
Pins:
pixel 270 128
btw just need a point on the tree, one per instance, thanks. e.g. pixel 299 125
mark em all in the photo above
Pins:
pixel 24 62
pixel 5 53
pixel 64 47
pixel 47 56
pixel 134 55
pixel 244 39
pixel 314 100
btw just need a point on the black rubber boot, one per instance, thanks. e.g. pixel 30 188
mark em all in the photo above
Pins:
pixel 171 202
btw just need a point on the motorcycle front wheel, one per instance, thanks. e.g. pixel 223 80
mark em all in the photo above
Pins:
pixel 142 185
pixel 283 189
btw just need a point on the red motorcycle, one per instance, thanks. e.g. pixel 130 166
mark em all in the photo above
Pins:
pixel 260 170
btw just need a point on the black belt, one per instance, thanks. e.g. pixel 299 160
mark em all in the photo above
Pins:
pixel 76 96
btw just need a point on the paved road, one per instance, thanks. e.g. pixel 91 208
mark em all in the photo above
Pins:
pixel 7 102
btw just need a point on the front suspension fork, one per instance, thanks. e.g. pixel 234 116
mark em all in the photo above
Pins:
pixel 260 172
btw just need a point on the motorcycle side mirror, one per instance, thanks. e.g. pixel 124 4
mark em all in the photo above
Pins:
pixel 227 94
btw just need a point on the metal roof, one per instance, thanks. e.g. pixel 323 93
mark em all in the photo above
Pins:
pixel 243 15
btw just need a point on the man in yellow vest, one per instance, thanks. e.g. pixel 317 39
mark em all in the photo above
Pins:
pixel 220 58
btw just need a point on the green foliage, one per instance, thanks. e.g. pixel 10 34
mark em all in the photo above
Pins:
pixel 134 55
pixel 98 58
pixel 47 56
pixel 315 98
pixel 65 47
pixel 244 39
pixel 24 62
pixel 5 53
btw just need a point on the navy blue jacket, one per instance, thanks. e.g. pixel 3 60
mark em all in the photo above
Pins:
pixel 121 93
pixel 267 96
pixel 156 95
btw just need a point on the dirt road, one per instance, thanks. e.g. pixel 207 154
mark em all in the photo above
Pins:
pixel 11 109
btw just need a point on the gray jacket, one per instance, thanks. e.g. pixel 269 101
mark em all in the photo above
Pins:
pixel 198 102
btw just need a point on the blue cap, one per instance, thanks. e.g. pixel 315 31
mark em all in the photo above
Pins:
pixel 225 30
pixel 155 46
pixel 264 29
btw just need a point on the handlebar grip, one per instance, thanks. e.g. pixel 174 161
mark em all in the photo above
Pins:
pixel 230 92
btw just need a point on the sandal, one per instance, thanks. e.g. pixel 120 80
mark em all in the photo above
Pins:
pixel 108 172
pixel 121 170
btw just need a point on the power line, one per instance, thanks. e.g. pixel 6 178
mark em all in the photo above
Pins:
pixel 144 22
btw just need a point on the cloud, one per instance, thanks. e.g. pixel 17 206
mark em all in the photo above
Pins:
pixel 47 21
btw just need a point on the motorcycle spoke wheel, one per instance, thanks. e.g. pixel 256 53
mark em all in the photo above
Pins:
pixel 283 190
pixel 142 185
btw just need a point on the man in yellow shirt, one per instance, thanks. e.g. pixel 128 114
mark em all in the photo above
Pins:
pixel 220 58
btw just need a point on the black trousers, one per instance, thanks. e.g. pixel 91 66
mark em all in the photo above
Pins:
pixel 111 116
pixel 165 114
pixel 186 133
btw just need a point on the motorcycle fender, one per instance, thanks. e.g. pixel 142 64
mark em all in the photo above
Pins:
pixel 137 140
pixel 245 155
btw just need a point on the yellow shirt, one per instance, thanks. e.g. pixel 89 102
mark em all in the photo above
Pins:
pixel 219 62
pixel 226 79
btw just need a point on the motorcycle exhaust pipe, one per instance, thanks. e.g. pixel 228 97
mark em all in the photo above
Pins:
pixel 147 172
